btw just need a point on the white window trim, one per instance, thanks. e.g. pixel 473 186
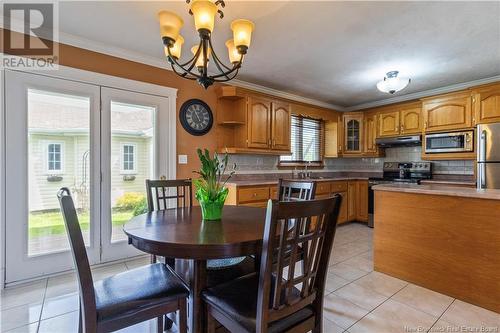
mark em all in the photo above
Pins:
pixel 122 147
pixel 46 159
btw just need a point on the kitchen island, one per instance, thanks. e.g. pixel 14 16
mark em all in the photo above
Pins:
pixel 443 238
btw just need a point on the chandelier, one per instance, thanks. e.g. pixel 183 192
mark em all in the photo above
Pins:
pixel 392 83
pixel 196 68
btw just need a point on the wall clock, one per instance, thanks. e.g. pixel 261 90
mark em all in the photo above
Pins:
pixel 196 117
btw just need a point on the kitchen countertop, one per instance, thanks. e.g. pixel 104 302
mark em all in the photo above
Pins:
pixel 448 182
pixel 435 189
pixel 257 182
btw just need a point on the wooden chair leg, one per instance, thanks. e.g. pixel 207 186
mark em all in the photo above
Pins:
pixel 182 323
pixel 160 324
pixel 153 259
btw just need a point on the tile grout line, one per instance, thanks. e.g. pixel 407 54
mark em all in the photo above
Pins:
pixel 374 308
pixel 441 314
pixel 43 305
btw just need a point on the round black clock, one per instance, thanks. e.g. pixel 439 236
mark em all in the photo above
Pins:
pixel 196 117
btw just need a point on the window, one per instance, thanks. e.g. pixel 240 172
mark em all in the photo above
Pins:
pixel 306 141
pixel 54 157
pixel 128 158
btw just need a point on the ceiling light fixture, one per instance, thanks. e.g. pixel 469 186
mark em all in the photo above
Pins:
pixel 392 83
pixel 204 13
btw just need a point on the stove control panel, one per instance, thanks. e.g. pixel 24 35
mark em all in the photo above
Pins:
pixel 411 166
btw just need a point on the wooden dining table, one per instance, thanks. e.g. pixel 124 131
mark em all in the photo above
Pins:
pixel 182 234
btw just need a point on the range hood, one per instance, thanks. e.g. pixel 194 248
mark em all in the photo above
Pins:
pixel 414 140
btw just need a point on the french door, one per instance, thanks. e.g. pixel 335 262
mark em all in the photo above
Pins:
pixel 101 143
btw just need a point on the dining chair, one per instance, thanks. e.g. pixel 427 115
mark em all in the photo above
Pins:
pixel 291 190
pixel 279 298
pixel 124 299
pixel 161 194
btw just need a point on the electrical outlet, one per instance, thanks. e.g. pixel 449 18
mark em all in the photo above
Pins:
pixel 183 159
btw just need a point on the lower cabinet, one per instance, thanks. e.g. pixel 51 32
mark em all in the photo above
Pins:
pixel 354 194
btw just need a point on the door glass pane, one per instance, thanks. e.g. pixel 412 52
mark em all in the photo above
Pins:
pixel 58 156
pixel 132 162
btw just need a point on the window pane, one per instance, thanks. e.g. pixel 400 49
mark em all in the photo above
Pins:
pixel 305 140
pixel 63 118
pixel 132 138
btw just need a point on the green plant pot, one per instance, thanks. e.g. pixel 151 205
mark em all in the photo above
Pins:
pixel 212 210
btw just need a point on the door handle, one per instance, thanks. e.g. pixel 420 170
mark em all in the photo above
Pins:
pixel 482 146
pixel 481 175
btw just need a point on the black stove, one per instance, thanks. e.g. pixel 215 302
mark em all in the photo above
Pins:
pixel 404 172
pixel 396 173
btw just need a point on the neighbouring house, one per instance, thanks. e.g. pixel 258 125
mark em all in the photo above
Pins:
pixel 59 148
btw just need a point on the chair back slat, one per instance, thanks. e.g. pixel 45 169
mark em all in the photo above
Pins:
pixel 290 238
pixel 161 192
pixel 291 190
pixel 80 259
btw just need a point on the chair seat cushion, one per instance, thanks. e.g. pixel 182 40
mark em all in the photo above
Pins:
pixel 238 300
pixel 141 288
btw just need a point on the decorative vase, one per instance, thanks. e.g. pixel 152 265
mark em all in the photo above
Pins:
pixel 211 210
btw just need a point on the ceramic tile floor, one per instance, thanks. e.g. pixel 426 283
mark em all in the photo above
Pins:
pixel 358 299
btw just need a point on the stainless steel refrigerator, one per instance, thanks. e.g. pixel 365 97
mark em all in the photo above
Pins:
pixel 488 156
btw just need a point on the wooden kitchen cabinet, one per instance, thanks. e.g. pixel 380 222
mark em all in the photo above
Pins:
pixel 259 122
pixel 447 112
pixel 351 201
pixel 370 135
pixel 411 120
pixel 362 200
pixel 486 101
pixel 343 208
pixel 389 124
pixel 251 123
pixel 280 126
pixel 353 134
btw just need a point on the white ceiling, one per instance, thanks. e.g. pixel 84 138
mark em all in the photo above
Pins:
pixel 333 52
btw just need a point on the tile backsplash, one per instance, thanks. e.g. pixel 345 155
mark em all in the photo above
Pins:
pixel 248 164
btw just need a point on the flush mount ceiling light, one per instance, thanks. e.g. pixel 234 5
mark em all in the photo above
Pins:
pixel 392 83
pixel 204 13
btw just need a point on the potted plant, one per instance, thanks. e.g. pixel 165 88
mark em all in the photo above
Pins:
pixel 211 191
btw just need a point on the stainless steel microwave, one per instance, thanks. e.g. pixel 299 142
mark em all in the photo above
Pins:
pixel 453 142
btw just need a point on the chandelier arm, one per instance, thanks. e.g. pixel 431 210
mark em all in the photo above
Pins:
pixel 183 75
pixel 216 58
pixel 228 78
pixel 236 68
pixel 181 66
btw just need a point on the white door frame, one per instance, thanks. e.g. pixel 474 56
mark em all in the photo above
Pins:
pixel 167 138
pixel 117 250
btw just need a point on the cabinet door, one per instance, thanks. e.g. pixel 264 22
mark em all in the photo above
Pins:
pixel 487 105
pixel 389 124
pixel 343 208
pixel 448 113
pixel 280 123
pixel 353 134
pixel 362 200
pixel 370 133
pixel 411 120
pixel 259 123
pixel 351 201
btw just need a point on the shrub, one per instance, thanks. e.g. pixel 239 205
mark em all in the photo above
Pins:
pixel 129 201
pixel 141 207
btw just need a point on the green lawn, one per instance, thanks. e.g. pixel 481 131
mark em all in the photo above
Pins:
pixel 51 223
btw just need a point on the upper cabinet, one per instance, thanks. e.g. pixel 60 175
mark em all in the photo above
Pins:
pixel 401 119
pixel 370 135
pixel 251 123
pixel 389 124
pixel 411 119
pixel 353 133
pixel 259 123
pixel 447 112
pixel 486 100
pixel 280 126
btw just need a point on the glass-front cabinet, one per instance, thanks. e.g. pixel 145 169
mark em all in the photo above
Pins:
pixel 353 134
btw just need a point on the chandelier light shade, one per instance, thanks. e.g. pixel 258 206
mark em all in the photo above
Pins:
pixel 204 13
pixel 392 83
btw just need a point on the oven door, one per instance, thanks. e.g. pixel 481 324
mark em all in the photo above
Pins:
pixel 449 142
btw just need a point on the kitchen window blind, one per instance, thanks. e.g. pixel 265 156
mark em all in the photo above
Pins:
pixel 306 141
